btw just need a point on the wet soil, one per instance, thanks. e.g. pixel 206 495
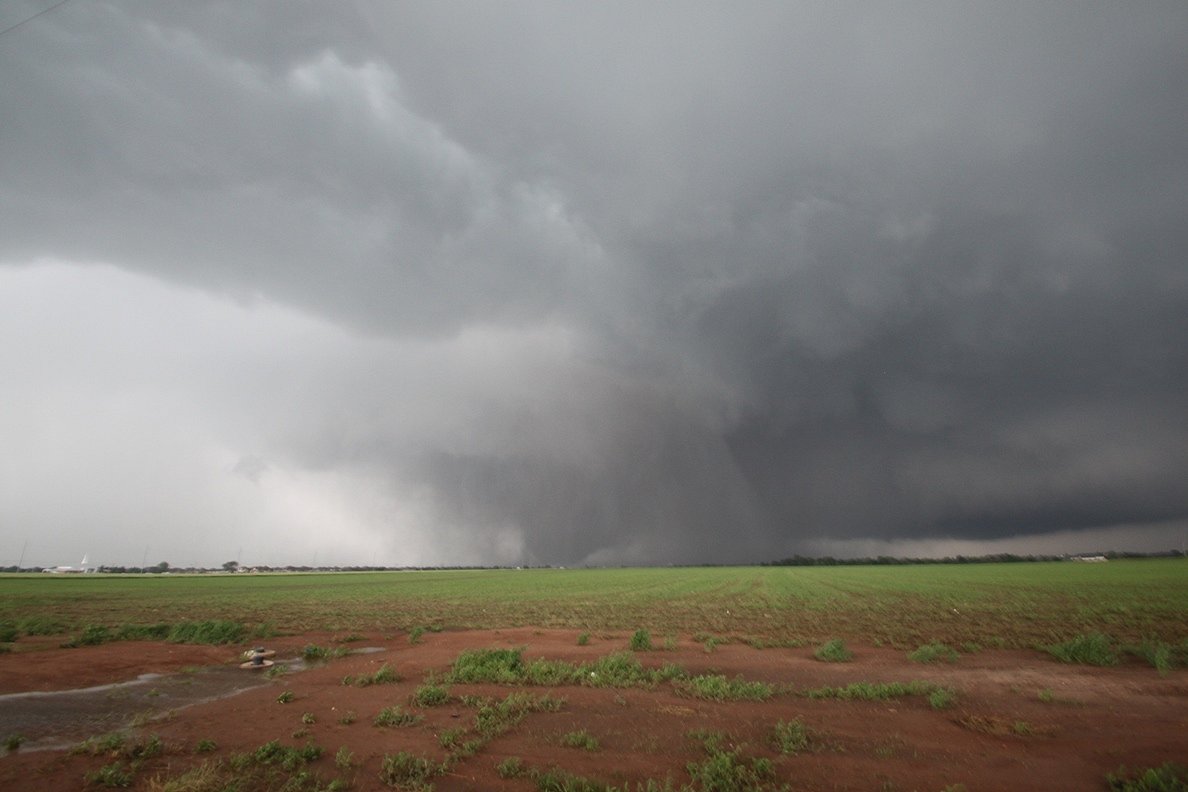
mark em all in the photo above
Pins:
pixel 1020 720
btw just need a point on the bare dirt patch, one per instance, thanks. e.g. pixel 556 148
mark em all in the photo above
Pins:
pixel 1018 721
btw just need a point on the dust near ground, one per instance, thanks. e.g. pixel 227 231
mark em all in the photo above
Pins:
pixel 1020 720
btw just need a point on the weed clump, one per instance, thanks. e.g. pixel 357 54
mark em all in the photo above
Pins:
pixel 407 771
pixel 1159 655
pixel 1090 649
pixel 934 653
pixel 641 641
pixel 431 695
pixel 717 687
pixel 833 651
pixel 790 737
pixel 580 739
pixel 396 716
pixel 312 653
pixel 116 774
pixel 511 767
pixel 384 676
pixel 941 698
pixel 724 769
pixel 1165 778
pixel 488 665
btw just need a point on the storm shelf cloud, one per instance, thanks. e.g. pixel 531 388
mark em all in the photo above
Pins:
pixel 593 283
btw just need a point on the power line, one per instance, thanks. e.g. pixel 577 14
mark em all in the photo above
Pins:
pixel 11 28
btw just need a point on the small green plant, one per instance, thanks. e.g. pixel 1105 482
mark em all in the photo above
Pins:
pixel 833 651
pixel 1046 696
pixel 414 635
pixel 1021 728
pixel 450 737
pixel 1165 778
pixel 580 739
pixel 488 665
pixel 431 695
pixel 13 741
pixel 728 770
pixel 396 716
pixel 347 718
pixel 717 687
pixel 1090 649
pixel 287 757
pixel 1158 654
pixel 384 676
pixel 941 698
pixel 308 718
pixel 285 697
pixel 583 639
pixel 116 774
pixel 104 744
pixel 934 653
pixel 712 642
pixel 205 746
pixel 511 767
pixel 343 759
pixel 495 717
pixel 407 771
pixel 312 653
pixel 93 635
pixel 790 737
pixel 641 641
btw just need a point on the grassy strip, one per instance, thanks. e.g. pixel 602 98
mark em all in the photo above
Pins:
pixel 717 687
pixel 1089 649
pixel 203 632
pixel 935 652
pixel 507 667
pixel 938 697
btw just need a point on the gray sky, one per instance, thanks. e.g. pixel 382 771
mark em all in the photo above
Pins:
pixel 432 283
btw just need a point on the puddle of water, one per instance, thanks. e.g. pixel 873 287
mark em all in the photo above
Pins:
pixel 61 718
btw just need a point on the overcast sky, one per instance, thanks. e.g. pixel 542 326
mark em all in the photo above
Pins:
pixel 604 282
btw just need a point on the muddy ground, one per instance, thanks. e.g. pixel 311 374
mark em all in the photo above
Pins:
pixel 1020 720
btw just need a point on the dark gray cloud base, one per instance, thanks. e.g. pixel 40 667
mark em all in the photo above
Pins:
pixel 619 283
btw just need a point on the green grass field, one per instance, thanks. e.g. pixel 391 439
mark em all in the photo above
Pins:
pixel 987 604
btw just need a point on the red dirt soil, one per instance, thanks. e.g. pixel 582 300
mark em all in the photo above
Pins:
pixel 998 735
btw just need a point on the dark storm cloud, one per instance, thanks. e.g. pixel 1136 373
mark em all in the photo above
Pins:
pixel 652 284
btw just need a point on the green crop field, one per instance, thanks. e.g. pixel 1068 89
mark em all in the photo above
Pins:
pixel 988 604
